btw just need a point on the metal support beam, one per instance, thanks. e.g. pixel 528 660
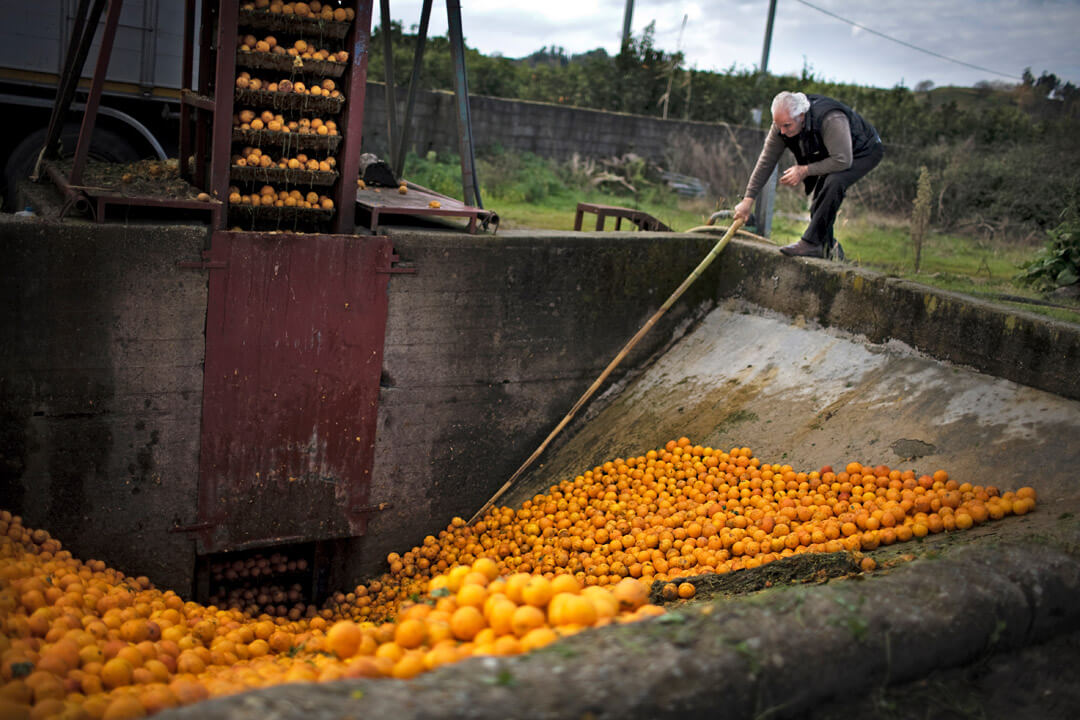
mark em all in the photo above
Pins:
pixel 358 42
pixel 768 37
pixel 187 68
pixel 86 22
pixel 205 82
pixel 414 86
pixel 766 202
pixel 224 84
pixel 469 184
pixel 82 149
pixel 392 138
pixel 186 75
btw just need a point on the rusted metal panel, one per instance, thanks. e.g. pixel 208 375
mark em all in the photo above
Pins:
pixel 294 340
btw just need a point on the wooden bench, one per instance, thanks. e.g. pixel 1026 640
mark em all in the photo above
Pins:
pixel 643 220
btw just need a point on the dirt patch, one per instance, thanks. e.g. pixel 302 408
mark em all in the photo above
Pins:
pixel 912 449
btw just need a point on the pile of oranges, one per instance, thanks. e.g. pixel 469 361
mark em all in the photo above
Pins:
pixel 686 510
pixel 301 49
pixel 255 157
pixel 326 87
pixel 79 639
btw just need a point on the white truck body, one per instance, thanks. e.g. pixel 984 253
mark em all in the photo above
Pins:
pixel 147 50
pixel 140 100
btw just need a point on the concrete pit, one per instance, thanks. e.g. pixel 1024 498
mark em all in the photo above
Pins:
pixel 806 362
pixel 936 610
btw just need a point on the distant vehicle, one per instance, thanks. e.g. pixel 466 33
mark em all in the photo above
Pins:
pixel 139 114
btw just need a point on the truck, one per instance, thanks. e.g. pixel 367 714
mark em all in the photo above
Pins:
pixel 139 113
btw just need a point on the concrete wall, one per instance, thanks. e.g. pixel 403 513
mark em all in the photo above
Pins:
pixel 548 130
pixel 1013 344
pixel 487 346
pixel 495 338
pixel 101 388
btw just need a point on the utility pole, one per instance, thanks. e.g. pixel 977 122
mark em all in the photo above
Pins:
pixel 627 17
pixel 767 200
pixel 768 36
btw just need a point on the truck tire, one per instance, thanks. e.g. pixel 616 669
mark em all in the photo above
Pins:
pixel 105 145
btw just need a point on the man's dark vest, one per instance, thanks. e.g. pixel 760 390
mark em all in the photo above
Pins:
pixel 808 146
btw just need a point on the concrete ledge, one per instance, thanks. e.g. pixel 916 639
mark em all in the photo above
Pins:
pixel 1023 347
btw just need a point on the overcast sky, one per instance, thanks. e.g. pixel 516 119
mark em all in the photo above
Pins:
pixel 1002 37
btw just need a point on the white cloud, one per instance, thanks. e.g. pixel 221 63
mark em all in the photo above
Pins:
pixel 999 35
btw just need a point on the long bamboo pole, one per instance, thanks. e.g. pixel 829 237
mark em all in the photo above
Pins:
pixel 706 261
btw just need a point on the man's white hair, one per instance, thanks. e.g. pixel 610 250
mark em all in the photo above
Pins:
pixel 795 104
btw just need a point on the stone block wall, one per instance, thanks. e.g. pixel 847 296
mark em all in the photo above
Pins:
pixel 545 129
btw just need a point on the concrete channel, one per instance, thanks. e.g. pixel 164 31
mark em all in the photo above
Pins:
pixel 806 362
pixel 803 393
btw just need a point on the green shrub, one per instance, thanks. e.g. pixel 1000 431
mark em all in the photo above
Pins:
pixel 1058 264
pixel 519 177
pixel 505 176
pixel 441 173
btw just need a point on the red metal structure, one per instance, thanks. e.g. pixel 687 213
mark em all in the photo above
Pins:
pixel 210 133
pixel 295 322
pixel 294 339
pixel 643 220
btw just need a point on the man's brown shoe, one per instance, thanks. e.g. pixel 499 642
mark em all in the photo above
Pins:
pixel 802 249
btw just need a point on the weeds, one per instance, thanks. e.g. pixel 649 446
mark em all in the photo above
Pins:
pixel 1058 264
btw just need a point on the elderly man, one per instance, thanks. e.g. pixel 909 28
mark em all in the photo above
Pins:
pixel 833 147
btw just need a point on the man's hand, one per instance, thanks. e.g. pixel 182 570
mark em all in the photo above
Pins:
pixel 794 175
pixel 742 210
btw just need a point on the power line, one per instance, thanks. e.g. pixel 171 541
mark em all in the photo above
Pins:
pixel 906 44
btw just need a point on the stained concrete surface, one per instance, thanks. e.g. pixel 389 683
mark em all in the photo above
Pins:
pixel 488 343
pixel 927 635
pixel 101 377
pixel 808 396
